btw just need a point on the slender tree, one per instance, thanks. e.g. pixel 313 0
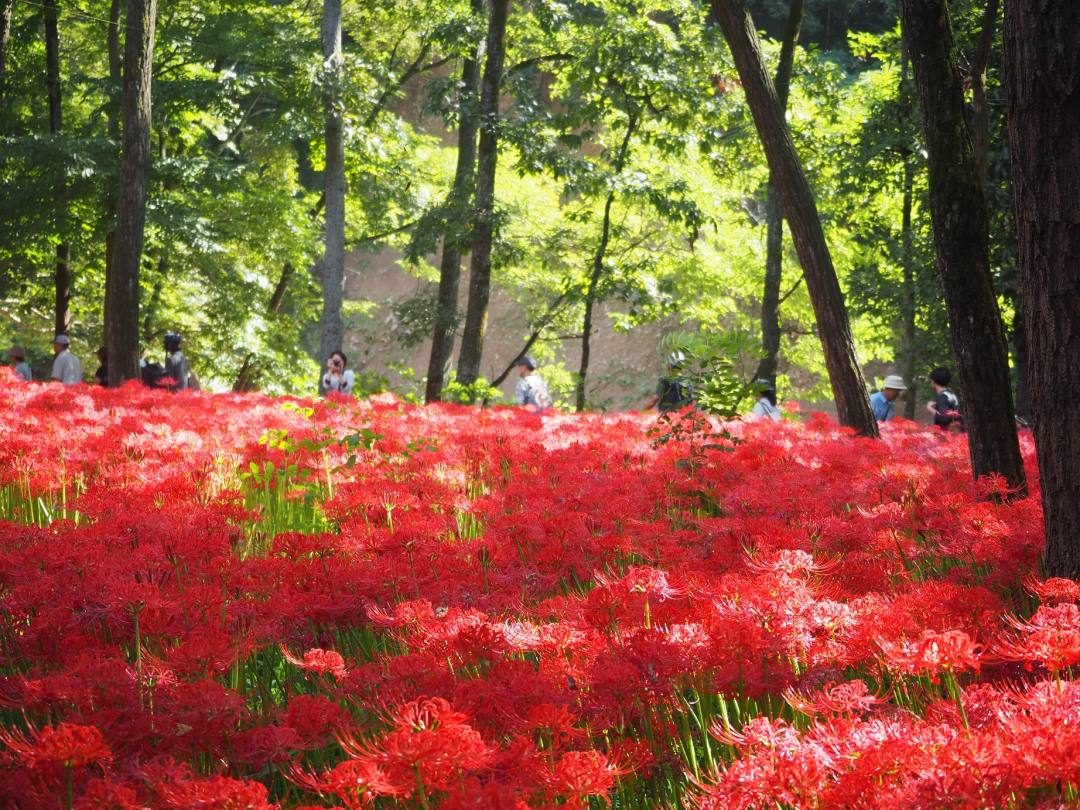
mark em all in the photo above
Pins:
pixel 961 237
pixel 112 117
pixel 62 269
pixel 1041 44
pixel 446 315
pixel 774 217
pixel 599 258
pixel 472 338
pixel 122 277
pixel 333 264
pixel 5 41
pixel 800 211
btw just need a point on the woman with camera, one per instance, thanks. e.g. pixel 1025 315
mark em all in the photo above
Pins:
pixel 337 377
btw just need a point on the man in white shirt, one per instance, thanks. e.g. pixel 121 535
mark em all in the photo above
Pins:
pixel 66 366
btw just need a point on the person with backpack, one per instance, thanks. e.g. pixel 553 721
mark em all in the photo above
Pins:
pixel 765 407
pixel 674 391
pixel 176 365
pixel 531 391
pixel 945 407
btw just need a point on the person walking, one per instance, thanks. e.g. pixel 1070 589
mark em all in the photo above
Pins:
pixel 945 407
pixel 881 402
pixel 17 360
pixel 66 367
pixel 765 407
pixel 531 391
pixel 673 392
pixel 176 365
pixel 101 376
pixel 337 378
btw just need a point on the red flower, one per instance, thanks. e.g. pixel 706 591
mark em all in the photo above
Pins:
pixel 321 662
pixel 68 745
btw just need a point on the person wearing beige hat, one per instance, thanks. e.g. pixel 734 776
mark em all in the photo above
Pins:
pixel 882 401
pixel 17 359
pixel 66 366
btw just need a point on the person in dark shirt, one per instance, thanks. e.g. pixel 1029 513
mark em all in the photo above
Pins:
pixel 101 376
pixel 176 365
pixel 673 391
pixel 944 407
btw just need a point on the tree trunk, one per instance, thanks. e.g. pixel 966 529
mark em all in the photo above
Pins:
pixel 62 270
pixel 1044 116
pixel 333 263
pixel 980 119
pixel 908 308
pixel 122 279
pixel 961 236
pixel 442 340
pixel 1020 358
pixel 472 337
pixel 112 116
pixel 800 211
pixel 907 304
pixel 774 216
pixel 5 41
pixel 598 265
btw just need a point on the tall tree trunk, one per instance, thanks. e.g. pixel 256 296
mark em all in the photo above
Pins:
pixel 442 339
pixel 112 117
pixel 598 264
pixel 1044 117
pixel 333 263
pixel 774 216
pixel 980 119
pixel 472 337
pixel 961 236
pixel 907 303
pixel 62 270
pixel 122 278
pixel 800 211
pixel 5 41
pixel 907 257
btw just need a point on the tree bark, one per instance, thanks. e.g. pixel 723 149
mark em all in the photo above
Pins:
pixel 62 269
pixel 907 256
pixel 472 337
pixel 907 302
pixel 5 41
pixel 1041 46
pixel 122 277
pixel 442 339
pixel 774 216
pixel 112 117
pixel 598 264
pixel 980 119
pixel 333 263
pixel 800 211
pixel 961 237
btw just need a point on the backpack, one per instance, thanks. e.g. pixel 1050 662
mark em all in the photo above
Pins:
pixel 152 374
pixel 676 394
pixel 540 395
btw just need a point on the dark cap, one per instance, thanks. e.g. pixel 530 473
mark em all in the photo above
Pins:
pixel 527 361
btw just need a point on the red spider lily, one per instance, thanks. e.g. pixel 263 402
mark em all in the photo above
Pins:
pixel 429 747
pixel 576 775
pixel 1053 589
pixel 952 651
pixel 1051 637
pixel 67 745
pixel 355 782
pixel 850 697
pixel 321 662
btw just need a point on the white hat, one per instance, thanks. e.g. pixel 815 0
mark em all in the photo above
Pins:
pixel 61 340
pixel 895 381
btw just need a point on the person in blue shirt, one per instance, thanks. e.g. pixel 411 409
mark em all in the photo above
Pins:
pixel 882 401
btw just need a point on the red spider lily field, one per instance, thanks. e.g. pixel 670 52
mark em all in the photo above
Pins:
pixel 247 602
